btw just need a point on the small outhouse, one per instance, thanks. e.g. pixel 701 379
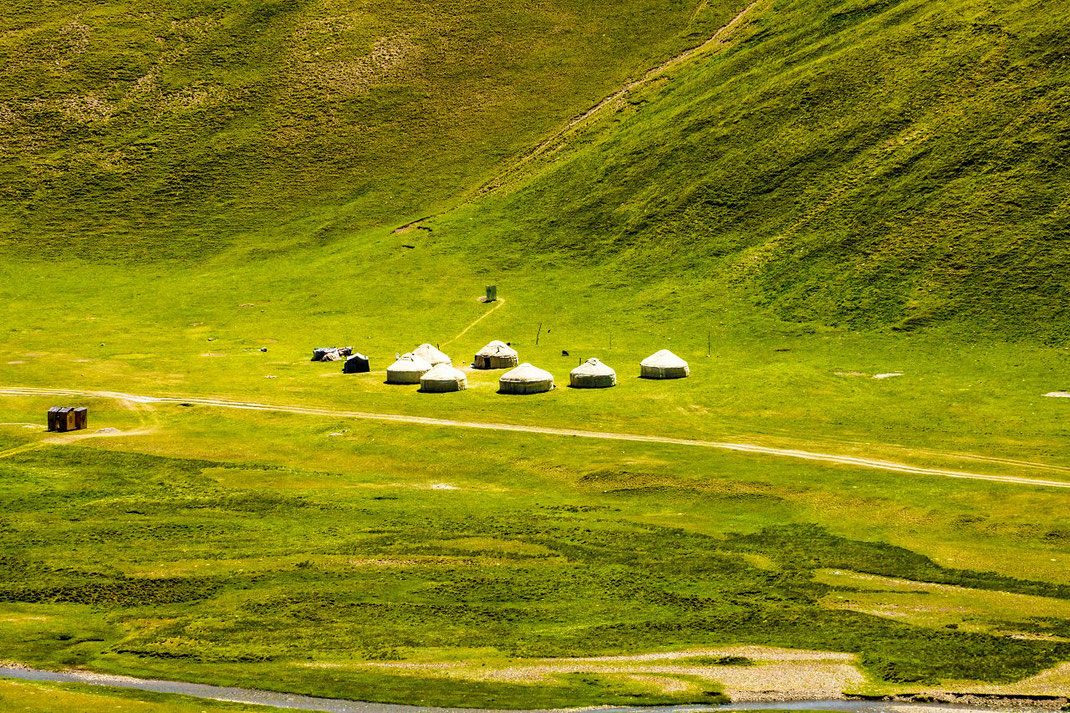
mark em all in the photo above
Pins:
pixel 67 418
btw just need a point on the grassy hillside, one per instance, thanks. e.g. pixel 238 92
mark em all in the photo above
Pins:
pixel 868 164
pixel 864 163
pixel 136 131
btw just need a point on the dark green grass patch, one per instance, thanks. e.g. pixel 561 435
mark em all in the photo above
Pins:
pixel 813 548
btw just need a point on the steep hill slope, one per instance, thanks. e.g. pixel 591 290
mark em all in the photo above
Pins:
pixel 864 163
pixel 164 129
pixel 897 162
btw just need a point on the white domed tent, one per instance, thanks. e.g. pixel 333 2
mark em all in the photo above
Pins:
pixel 525 379
pixel 407 370
pixel 431 355
pixel 592 374
pixel 443 379
pixel 663 365
pixel 496 355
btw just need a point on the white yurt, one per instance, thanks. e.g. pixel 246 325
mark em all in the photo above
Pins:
pixel 592 374
pixel 431 354
pixel 407 370
pixel 663 365
pixel 525 379
pixel 496 355
pixel 443 379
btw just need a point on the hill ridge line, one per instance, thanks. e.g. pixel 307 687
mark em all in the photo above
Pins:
pixel 856 461
pixel 559 137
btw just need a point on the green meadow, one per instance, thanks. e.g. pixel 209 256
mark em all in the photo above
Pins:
pixel 298 553
pixel 848 216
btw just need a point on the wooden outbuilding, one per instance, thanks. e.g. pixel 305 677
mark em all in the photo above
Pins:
pixel 67 418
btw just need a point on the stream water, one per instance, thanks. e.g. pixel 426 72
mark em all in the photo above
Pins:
pixel 331 705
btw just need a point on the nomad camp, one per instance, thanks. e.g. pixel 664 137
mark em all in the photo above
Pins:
pixel 645 356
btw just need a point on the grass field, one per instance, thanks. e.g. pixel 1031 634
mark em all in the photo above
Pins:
pixel 842 190
pixel 298 552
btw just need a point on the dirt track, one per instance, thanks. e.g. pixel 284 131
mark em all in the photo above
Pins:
pixel 858 462
pixel 500 301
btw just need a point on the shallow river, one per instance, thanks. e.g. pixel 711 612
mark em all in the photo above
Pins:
pixel 331 705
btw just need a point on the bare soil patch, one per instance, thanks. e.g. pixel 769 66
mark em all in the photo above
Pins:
pixel 779 674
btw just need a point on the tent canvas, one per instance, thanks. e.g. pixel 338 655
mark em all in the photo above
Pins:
pixel 443 378
pixel 664 365
pixel 357 364
pixel 321 353
pixel 431 355
pixel 525 379
pixel 592 374
pixel 407 370
pixel 496 355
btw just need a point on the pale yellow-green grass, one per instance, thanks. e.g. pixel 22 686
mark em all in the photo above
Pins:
pixel 938 605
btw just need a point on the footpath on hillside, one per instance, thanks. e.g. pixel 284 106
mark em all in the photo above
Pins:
pixel 561 137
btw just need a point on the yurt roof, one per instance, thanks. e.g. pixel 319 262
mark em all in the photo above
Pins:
pixel 527 372
pixel 496 348
pixel 663 359
pixel 431 353
pixel 445 372
pixel 593 367
pixel 410 362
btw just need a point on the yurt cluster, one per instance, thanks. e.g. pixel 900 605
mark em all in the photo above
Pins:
pixel 434 371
